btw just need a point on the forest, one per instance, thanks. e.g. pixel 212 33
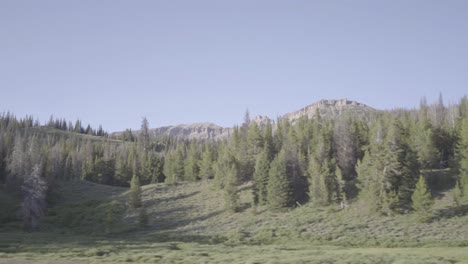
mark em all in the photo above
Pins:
pixel 386 163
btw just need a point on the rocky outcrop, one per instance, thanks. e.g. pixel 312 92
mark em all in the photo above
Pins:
pixel 193 131
pixel 326 109
pixel 331 109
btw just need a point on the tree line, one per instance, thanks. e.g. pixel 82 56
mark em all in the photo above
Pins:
pixel 378 160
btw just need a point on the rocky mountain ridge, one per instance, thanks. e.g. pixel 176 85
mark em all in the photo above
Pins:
pixel 326 109
pixel 331 109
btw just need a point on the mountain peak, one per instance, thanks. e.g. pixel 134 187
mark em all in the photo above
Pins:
pixel 330 109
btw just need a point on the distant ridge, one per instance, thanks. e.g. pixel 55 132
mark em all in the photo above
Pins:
pixel 193 131
pixel 326 109
pixel 331 109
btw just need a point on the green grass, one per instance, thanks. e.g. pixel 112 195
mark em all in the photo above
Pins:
pixel 188 224
pixel 41 246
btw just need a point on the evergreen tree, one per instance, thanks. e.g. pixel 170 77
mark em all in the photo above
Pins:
pixel 341 188
pixel 170 177
pixel 34 203
pixel 230 190
pixel 260 182
pixel 254 140
pixel 422 139
pixel 122 171
pixel 279 189
pixel 461 188
pixel 323 184
pixel 345 149
pixel 269 144
pixel 135 192
pixel 111 216
pixel 370 183
pixel 144 135
pixel 206 164
pixel 422 200
pixel 192 163
pixel 157 166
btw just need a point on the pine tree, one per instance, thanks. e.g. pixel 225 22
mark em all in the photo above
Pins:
pixel 178 163
pixel 192 163
pixel 262 167
pixel 461 188
pixel 144 135
pixel 341 188
pixel 170 177
pixel 254 140
pixel 111 215
pixel 318 192
pixel 422 200
pixel 279 188
pixel 370 183
pixel 206 164
pixel 157 169
pixel 135 192
pixel 230 190
pixel 34 203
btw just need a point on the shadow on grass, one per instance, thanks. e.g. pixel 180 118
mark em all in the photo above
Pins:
pixel 171 199
pixel 450 212
pixel 177 217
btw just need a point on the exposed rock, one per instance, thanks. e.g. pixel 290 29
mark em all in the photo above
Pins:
pixel 262 121
pixel 193 131
pixel 326 109
pixel 331 109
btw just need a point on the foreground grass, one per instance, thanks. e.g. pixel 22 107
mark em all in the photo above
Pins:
pixel 188 224
pixel 34 248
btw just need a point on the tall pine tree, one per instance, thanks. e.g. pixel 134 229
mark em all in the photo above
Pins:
pixel 279 187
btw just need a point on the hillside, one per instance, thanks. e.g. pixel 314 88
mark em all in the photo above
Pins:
pixel 188 223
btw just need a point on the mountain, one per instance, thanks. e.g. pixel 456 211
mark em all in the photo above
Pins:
pixel 193 131
pixel 326 109
pixel 331 109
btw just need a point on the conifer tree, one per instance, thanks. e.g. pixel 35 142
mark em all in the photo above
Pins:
pixel 461 188
pixel 269 144
pixel 262 167
pixel 135 192
pixel 169 169
pixel 34 203
pixel 206 164
pixel 111 216
pixel 191 167
pixel 317 186
pixel 370 183
pixel 144 135
pixel 178 163
pixel 230 190
pixel 254 140
pixel 157 166
pixel 341 188
pixel 422 200
pixel 279 188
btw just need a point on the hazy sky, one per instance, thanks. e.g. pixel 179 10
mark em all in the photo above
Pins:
pixel 112 62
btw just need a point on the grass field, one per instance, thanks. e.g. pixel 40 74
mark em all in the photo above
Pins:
pixel 188 224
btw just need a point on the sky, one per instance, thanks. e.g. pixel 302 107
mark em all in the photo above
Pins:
pixel 112 62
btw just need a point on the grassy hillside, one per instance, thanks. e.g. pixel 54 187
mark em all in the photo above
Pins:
pixel 188 224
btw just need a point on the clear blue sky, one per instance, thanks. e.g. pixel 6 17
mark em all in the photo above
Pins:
pixel 111 62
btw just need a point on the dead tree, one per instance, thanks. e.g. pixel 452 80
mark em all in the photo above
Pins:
pixel 34 205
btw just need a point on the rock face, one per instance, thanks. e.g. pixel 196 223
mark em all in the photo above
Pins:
pixel 193 131
pixel 331 109
pixel 326 109
pixel 262 121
